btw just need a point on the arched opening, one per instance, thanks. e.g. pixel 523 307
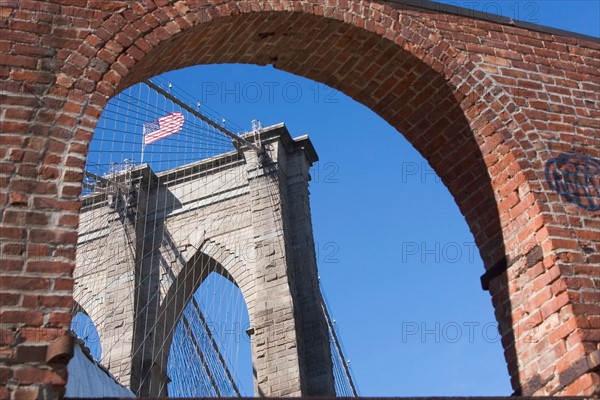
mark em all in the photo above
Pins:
pixel 85 329
pixel 438 119
pixel 395 255
pixel 88 376
pixel 367 178
pixel 210 350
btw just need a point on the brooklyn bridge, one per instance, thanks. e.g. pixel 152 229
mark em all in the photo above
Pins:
pixel 170 262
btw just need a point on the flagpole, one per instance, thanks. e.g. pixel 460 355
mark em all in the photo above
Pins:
pixel 143 143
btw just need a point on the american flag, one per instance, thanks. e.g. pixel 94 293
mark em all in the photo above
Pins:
pixel 162 127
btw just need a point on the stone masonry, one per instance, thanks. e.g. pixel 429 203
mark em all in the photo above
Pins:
pixel 142 253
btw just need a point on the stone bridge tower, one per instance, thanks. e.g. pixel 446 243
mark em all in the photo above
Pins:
pixel 243 216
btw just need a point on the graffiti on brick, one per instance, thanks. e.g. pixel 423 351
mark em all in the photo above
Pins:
pixel 576 178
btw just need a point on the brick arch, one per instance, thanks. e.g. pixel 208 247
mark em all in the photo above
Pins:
pixel 390 58
pixel 444 121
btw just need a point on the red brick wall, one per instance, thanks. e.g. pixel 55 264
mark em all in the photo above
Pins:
pixel 489 106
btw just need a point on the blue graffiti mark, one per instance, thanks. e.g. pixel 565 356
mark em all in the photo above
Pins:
pixel 576 178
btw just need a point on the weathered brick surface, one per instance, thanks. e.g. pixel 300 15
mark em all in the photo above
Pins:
pixel 487 104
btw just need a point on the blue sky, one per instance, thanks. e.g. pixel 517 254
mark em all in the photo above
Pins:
pixel 396 258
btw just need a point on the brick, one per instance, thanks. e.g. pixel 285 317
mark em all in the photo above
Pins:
pixel 29 375
pixel 24 218
pixel 63 284
pixel 15 249
pixel 17 61
pixel 36 301
pixel 586 385
pixel 58 319
pixel 37 336
pixel 32 187
pixel 27 393
pixel 50 267
pixel 25 354
pixel 32 318
pixel 25 283
pixel 12 233
pixel 9 299
pixel 18 199
pixel 53 204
